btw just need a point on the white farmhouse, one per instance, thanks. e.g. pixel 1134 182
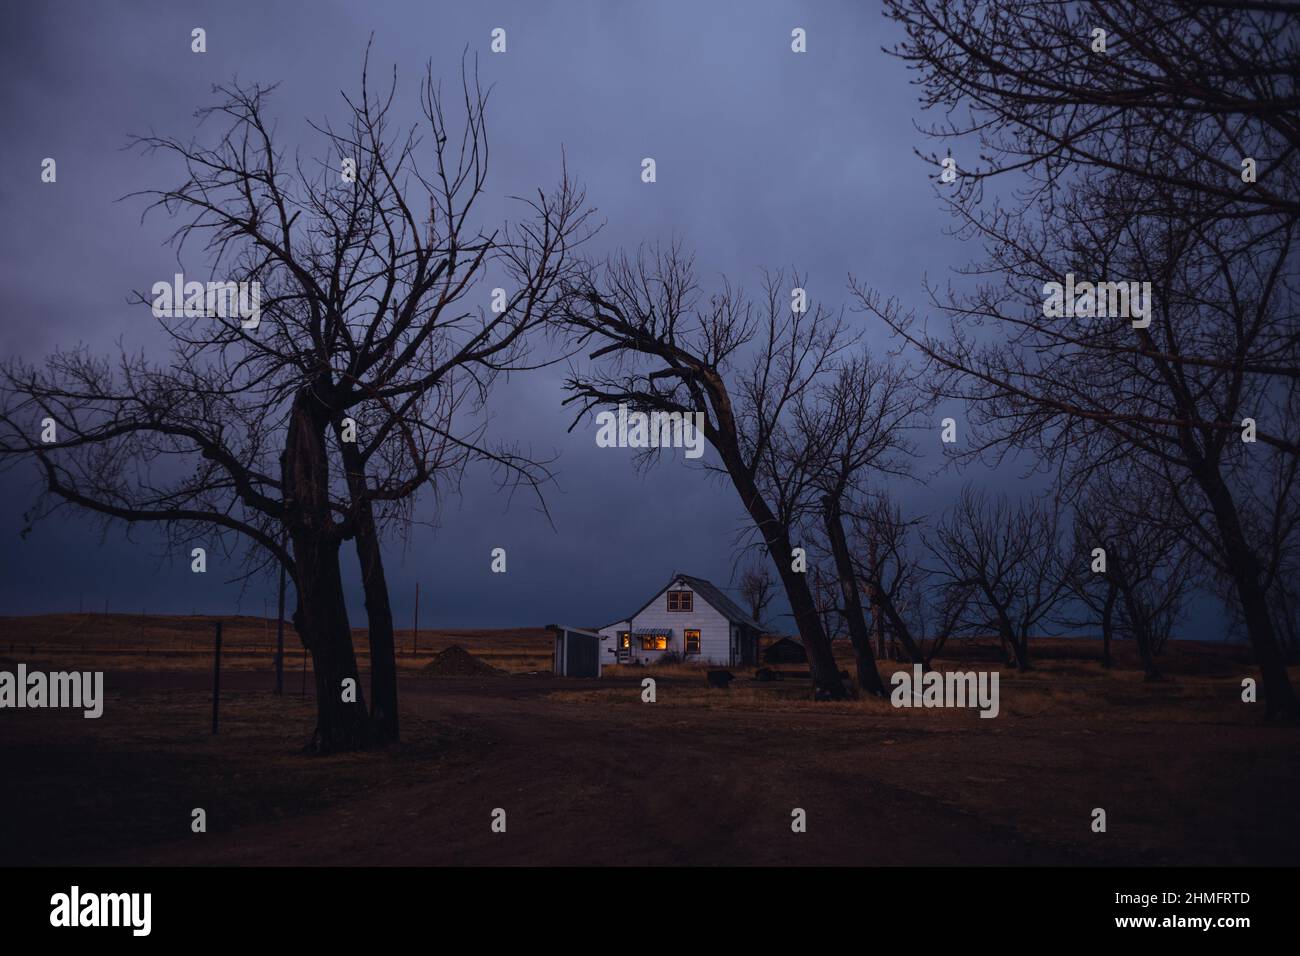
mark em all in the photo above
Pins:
pixel 690 617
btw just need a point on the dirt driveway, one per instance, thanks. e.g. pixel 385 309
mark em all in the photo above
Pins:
pixel 636 783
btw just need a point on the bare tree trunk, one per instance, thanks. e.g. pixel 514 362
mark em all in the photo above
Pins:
pixel 1141 631
pixel 1107 613
pixel 1019 650
pixel 321 617
pixel 379 611
pixel 321 620
pixel 1279 696
pixel 1022 653
pixel 821 657
pixel 877 622
pixel 1008 652
pixel 1149 669
pixel 898 628
pixel 1289 639
pixel 383 646
pixel 868 675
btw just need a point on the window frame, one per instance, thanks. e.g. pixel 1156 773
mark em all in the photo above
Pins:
pixel 685 601
pixel 686 640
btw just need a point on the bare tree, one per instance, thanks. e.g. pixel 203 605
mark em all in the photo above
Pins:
pixel 1132 168
pixel 757 589
pixel 919 607
pixel 826 598
pixel 321 422
pixel 658 346
pixel 848 431
pixel 1273 526
pixel 1174 95
pixel 1131 565
pixel 1093 593
pixel 1010 557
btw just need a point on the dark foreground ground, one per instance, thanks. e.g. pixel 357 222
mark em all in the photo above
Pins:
pixel 588 774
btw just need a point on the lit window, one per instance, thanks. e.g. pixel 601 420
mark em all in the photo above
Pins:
pixel 625 640
pixel 654 642
pixel 692 641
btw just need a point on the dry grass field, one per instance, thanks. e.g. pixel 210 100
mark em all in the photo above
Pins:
pixel 589 774
pixel 1200 684
pixel 173 642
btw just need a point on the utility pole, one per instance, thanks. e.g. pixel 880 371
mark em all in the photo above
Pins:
pixel 415 630
pixel 279 638
pixel 216 677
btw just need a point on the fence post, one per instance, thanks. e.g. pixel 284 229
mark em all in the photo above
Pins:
pixel 216 677
pixel 415 632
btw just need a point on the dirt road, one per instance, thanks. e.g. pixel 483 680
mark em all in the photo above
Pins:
pixel 634 783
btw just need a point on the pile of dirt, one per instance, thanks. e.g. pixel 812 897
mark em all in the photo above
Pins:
pixel 455 661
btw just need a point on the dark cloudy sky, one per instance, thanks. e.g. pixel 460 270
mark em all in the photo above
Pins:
pixel 765 158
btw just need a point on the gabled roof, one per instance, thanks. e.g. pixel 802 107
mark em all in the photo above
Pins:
pixel 711 593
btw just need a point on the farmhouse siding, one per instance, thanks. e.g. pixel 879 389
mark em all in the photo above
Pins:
pixel 609 645
pixel 714 628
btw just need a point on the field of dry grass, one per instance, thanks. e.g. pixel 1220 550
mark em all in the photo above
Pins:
pixel 1054 688
pixel 1201 683
pixel 173 642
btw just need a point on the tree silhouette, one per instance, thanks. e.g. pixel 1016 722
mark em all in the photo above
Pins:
pixel 373 322
pixel 1128 166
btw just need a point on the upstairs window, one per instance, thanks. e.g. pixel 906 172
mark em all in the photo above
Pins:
pixel 681 601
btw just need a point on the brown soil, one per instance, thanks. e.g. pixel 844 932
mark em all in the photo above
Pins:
pixel 455 661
